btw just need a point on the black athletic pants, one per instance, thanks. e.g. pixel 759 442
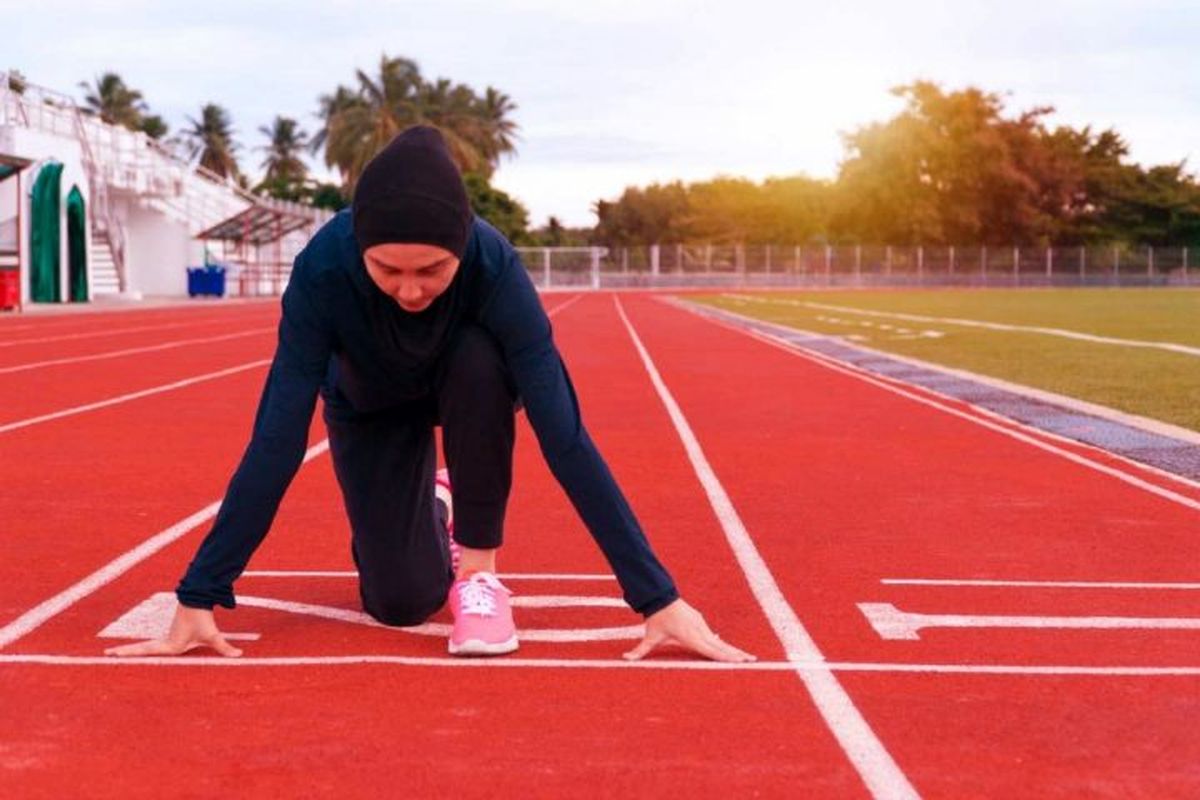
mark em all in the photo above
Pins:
pixel 385 463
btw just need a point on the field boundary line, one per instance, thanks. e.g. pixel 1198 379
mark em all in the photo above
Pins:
pixel 1065 333
pixel 868 377
pixel 1147 424
pixel 875 766
pixel 195 661
pixel 112 401
pixel 133 351
pixel 750 326
pixel 41 613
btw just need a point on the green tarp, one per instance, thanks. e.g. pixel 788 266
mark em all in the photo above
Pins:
pixel 45 235
pixel 77 245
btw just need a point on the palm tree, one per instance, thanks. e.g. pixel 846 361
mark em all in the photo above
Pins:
pixel 283 163
pixel 211 137
pixel 153 126
pixel 113 101
pixel 385 106
pixel 330 105
pixel 495 110
pixel 450 108
pixel 359 123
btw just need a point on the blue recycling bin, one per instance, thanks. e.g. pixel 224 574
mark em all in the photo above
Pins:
pixel 206 280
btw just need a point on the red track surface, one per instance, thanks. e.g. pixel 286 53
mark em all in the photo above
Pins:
pixel 839 483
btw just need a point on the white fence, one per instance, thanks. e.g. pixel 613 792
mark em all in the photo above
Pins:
pixel 682 265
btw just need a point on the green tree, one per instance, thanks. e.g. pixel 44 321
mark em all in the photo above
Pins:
pixel 287 141
pixel 211 138
pixel 17 81
pixel 114 102
pixel 327 195
pixel 118 104
pixel 358 123
pixel 500 209
pixel 656 214
pixel 153 126
pixel 358 129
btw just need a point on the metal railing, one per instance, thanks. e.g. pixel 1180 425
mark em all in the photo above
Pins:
pixel 119 159
pixel 860 265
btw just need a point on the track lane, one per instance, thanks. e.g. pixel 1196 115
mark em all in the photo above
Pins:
pixel 842 485
pixel 34 393
pixel 627 732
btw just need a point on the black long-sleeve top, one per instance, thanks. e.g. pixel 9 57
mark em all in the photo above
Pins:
pixel 339 330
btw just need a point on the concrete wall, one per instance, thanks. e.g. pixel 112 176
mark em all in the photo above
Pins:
pixel 157 253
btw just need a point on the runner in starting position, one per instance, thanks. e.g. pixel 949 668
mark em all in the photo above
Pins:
pixel 405 312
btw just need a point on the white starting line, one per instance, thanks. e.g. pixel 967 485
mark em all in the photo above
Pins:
pixel 510 662
pixel 892 623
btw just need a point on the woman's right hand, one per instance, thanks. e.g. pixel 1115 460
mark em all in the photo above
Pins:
pixel 191 628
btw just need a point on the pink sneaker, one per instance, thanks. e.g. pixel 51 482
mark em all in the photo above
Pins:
pixel 483 622
pixel 441 491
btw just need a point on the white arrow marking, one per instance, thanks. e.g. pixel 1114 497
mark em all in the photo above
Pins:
pixel 892 623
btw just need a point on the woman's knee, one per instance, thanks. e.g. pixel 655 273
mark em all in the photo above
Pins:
pixel 405 606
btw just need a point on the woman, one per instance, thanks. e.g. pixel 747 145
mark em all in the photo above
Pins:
pixel 405 313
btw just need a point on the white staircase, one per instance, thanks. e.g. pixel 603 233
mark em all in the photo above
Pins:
pixel 102 268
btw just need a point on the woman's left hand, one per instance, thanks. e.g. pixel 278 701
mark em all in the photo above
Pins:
pixel 683 625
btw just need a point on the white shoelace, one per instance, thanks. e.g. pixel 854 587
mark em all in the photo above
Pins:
pixel 477 595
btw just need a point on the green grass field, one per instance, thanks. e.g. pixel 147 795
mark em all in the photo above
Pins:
pixel 1152 382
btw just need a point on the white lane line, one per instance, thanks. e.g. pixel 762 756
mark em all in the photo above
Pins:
pixel 506 662
pixel 509 576
pixel 895 387
pixel 132 351
pixel 124 398
pixel 866 752
pixel 1000 326
pixel 893 623
pixel 1039 584
pixel 44 611
pixel 564 305
pixel 115 331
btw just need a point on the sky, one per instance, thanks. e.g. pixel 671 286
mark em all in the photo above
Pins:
pixel 612 93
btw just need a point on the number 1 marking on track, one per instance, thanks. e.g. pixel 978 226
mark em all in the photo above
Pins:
pixel 892 623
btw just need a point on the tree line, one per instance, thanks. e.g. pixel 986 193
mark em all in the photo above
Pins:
pixel 953 167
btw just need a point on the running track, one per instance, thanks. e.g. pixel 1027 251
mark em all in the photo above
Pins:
pixel 780 491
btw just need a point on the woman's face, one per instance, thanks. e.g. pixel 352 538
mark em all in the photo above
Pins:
pixel 411 274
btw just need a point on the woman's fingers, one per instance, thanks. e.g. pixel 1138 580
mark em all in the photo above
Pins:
pixel 650 640
pixel 223 647
pixel 153 647
pixel 712 647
